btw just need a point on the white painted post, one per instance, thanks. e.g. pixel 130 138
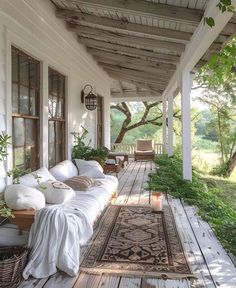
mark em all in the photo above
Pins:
pixel 164 124
pixel 170 125
pixel 44 117
pixel 185 88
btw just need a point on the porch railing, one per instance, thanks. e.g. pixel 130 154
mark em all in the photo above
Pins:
pixel 130 148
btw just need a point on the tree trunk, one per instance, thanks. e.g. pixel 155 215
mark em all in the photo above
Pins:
pixel 230 165
pixel 121 135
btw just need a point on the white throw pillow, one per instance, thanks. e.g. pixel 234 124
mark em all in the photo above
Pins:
pixel 56 192
pixel 29 179
pixel 64 170
pixel 21 197
pixel 89 168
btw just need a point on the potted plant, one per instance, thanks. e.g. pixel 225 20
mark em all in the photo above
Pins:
pixel 82 151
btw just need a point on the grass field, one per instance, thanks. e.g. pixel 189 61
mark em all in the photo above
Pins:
pixel 204 161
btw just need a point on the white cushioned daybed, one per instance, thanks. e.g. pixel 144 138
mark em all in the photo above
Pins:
pixel 67 225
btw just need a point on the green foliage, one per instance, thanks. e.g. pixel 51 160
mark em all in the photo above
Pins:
pixel 219 170
pixel 5 211
pixel 200 143
pixel 82 151
pixel 4 138
pixel 223 5
pixel 204 195
pixel 15 173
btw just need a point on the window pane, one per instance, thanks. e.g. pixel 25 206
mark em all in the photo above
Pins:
pixel 33 75
pixel 19 132
pixel 24 100
pixel 14 66
pixel 24 70
pixel 55 84
pixel 33 101
pixel 30 131
pixel 51 132
pixel 51 156
pixel 58 153
pixel 59 132
pixel 15 98
pixel 19 157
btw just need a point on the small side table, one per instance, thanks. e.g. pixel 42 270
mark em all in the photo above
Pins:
pixel 23 219
pixel 112 168
pixel 114 155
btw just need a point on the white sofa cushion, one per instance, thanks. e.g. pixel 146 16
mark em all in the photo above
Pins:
pixel 56 192
pixel 21 197
pixel 29 179
pixel 89 168
pixel 64 170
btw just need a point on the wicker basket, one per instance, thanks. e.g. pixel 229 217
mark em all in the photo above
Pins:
pixel 12 263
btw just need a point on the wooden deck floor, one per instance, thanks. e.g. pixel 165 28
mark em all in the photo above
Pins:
pixel 208 259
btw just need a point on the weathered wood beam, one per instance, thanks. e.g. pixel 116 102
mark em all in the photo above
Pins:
pixel 140 79
pixel 134 94
pixel 78 17
pixel 100 54
pixel 146 43
pixel 148 69
pixel 148 9
pixel 165 58
pixel 145 74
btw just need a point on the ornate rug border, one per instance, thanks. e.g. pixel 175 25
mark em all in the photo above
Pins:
pixel 132 273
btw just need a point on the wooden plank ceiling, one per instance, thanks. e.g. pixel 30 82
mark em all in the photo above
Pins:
pixel 138 43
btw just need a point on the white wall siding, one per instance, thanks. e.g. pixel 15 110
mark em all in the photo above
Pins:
pixel 31 26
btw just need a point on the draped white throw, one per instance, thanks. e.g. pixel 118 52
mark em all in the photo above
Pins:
pixel 55 239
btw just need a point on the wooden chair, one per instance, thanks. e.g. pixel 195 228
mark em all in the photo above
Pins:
pixel 144 150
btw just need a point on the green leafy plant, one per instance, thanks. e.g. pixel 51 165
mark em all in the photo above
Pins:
pixel 4 142
pixel 82 151
pixel 203 194
pixel 15 173
pixel 5 212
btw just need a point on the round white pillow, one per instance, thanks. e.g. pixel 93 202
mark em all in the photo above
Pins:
pixel 21 197
pixel 56 192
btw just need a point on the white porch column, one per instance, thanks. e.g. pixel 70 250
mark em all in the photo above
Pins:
pixel 164 123
pixel 44 117
pixel 170 125
pixel 185 88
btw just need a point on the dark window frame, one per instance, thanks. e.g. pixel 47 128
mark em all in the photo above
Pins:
pixel 34 117
pixel 58 119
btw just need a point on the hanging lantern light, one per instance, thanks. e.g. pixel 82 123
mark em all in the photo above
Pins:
pixel 89 98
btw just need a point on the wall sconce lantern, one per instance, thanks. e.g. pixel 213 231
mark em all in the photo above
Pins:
pixel 88 98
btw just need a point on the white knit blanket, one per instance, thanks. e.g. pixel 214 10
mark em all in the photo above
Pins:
pixel 55 239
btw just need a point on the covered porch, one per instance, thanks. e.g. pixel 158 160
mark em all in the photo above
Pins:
pixel 126 51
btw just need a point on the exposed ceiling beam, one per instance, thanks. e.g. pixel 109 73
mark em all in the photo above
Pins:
pixel 148 9
pixel 165 58
pixel 130 59
pixel 135 99
pixel 101 61
pixel 147 43
pixel 145 74
pixel 75 16
pixel 141 79
pixel 134 94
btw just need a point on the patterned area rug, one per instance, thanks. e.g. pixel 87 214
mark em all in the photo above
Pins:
pixel 134 241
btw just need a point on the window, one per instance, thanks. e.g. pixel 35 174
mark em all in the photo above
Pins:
pixel 25 110
pixel 56 115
